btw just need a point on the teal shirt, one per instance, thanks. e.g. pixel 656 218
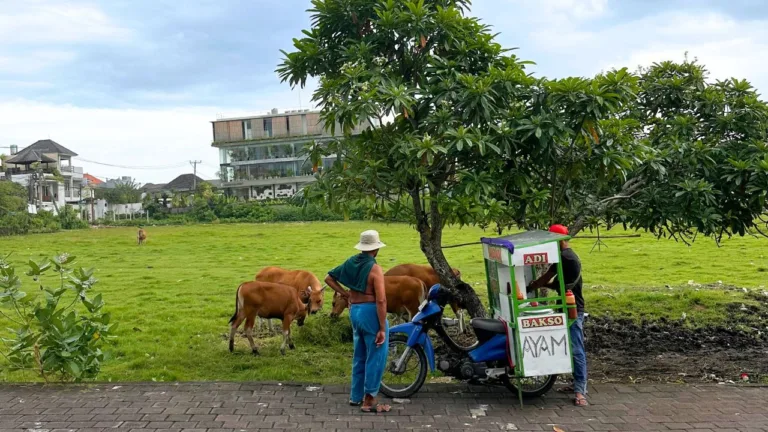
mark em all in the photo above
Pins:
pixel 354 272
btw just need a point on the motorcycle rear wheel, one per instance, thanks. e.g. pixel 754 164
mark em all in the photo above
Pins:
pixel 532 387
pixel 412 377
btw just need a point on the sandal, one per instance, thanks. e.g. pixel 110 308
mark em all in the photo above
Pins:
pixel 355 404
pixel 566 389
pixel 376 409
pixel 580 401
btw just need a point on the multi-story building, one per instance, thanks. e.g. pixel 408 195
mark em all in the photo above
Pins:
pixel 260 156
pixel 46 169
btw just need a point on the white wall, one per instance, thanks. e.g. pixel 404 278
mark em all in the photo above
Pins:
pixel 121 211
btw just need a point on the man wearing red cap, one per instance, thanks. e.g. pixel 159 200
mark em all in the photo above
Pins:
pixel 572 281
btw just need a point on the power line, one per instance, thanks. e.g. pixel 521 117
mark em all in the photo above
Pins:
pixel 179 165
pixel 205 173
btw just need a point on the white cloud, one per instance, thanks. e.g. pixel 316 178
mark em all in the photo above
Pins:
pixel 25 84
pixel 31 31
pixel 34 61
pixel 569 45
pixel 579 9
pixel 134 137
pixel 128 137
pixel 56 22
pixel 540 13
pixel 728 48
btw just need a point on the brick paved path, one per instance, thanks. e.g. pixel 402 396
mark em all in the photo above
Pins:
pixel 235 407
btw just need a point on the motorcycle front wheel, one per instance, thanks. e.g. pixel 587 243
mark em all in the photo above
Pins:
pixel 408 381
pixel 531 387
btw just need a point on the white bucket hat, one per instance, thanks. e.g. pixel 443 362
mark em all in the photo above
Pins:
pixel 369 241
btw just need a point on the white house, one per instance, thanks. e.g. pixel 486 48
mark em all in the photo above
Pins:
pixel 45 169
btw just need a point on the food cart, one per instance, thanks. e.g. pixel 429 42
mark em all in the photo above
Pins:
pixel 537 334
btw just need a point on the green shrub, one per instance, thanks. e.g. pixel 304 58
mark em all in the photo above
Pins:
pixel 49 335
pixel 322 330
pixel 202 212
pixel 69 219
pixel 230 211
pixel 15 223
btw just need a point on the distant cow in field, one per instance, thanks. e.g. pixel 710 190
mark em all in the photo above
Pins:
pixel 299 280
pixel 267 300
pixel 428 275
pixel 141 236
pixel 404 295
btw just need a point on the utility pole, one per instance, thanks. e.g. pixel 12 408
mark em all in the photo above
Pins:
pixel 194 177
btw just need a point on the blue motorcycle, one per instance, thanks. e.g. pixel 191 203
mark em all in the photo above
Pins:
pixel 411 353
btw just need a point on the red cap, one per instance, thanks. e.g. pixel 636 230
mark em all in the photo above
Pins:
pixel 559 229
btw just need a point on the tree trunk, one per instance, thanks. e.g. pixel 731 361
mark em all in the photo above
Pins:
pixel 430 230
pixel 464 294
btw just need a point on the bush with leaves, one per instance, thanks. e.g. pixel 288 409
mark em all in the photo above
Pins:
pixel 50 335
pixel 201 211
pixel 14 224
pixel 13 197
pixel 69 219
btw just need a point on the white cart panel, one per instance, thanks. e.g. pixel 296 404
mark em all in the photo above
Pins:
pixel 544 344
pixel 546 253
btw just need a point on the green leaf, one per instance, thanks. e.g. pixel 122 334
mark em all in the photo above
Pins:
pixel 74 368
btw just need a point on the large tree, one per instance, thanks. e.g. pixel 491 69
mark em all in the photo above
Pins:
pixel 686 157
pixel 463 134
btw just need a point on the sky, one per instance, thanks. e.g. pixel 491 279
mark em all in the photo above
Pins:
pixel 136 83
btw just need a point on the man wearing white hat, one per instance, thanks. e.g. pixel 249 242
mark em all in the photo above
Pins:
pixel 368 313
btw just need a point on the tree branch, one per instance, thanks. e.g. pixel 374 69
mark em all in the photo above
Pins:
pixel 617 197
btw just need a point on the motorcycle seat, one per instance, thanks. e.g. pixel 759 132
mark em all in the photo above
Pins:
pixel 489 325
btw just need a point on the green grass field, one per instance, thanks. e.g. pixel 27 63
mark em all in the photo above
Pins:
pixel 173 297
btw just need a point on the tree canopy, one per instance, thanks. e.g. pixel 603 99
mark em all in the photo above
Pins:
pixel 464 134
pixel 124 192
pixel 13 197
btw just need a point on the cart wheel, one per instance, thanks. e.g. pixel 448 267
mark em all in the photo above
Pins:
pixel 531 387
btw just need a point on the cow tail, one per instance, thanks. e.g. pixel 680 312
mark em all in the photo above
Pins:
pixel 424 292
pixel 237 305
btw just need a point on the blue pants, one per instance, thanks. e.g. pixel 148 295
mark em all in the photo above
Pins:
pixel 368 361
pixel 579 355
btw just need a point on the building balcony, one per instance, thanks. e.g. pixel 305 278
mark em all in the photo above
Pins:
pixel 65 171
pixel 71 170
pixel 267 180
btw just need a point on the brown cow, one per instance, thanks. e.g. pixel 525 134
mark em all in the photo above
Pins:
pixel 404 295
pixel 423 272
pixel 141 236
pixel 300 280
pixel 266 300
pixel 428 275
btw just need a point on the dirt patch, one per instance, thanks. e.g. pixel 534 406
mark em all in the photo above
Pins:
pixel 620 349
